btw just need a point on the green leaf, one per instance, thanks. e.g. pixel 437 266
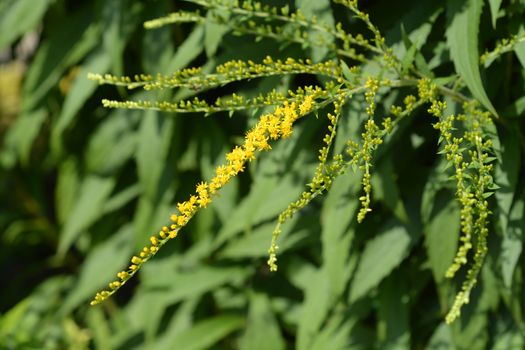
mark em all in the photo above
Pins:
pixel 66 192
pixel 266 199
pixel 462 38
pixel 254 243
pixel 93 192
pixel 121 198
pixel 81 90
pixel 113 34
pixel 437 181
pixel 338 214
pixel 347 73
pixel 99 268
pixel 99 327
pixel 152 213
pixel 517 108
pixel 317 303
pixel 188 50
pixel 181 285
pixel 508 210
pixel 262 330
pixel 19 18
pixel 441 339
pixel 213 31
pixel 385 189
pixel 181 321
pixel 519 50
pixel 322 10
pixel 412 34
pixel 494 11
pixel 512 243
pixel 393 325
pixel 381 255
pixel 31 320
pixel 473 330
pixel 335 334
pixel 410 54
pixel 23 133
pixel 11 318
pixel 157 44
pixel 203 334
pixel 506 173
pixel 112 144
pixel 210 147
pixel 74 36
pixel 155 137
pixel 511 339
pixel 442 233
pixel 472 334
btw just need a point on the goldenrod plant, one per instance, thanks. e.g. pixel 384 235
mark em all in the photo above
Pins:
pixel 210 158
pixel 468 150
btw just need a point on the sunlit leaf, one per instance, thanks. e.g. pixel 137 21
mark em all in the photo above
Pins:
pixel 462 38
pixel 204 333
pixel 381 255
pixel 262 331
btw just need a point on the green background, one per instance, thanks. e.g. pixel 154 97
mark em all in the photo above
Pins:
pixel 82 188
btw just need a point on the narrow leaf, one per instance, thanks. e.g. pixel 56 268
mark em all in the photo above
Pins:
pixel 337 234
pixel 494 11
pixel 20 17
pixel 204 334
pixel 80 91
pixel 512 244
pixel 441 234
pixel 462 38
pixel 153 146
pixel 262 331
pixel 112 144
pixel 213 32
pixel 394 329
pixel 93 193
pixel 380 256
pixel 23 133
pixel 315 308
pixel 99 268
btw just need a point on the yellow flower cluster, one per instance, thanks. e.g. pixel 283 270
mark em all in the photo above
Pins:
pixel 270 127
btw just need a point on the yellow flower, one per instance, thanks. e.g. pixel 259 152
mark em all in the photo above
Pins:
pixel 214 185
pixel 286 127
pixel 181 221
pixel 273 127
pixel 270 126
pixel 290 111
pixel 122 275
pixel 202 186
pixel 306 105
pixel 204 201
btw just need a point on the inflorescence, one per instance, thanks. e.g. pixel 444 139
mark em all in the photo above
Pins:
pixel 462 136
pixel 270 127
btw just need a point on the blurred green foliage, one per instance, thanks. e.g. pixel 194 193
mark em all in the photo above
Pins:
pixel 83 187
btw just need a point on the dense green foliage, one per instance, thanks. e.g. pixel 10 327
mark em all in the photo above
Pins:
pixel 399 188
